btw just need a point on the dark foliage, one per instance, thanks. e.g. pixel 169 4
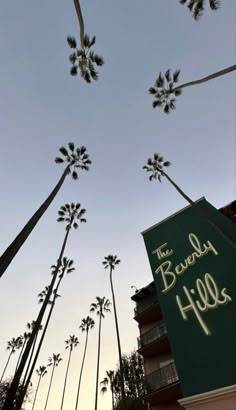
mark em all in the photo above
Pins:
pixel 84 60
pixel 133 380
pixel 156 165
pixel 197 7
pixel 78 158
pixel 4 387
pixel 164 91
pixel 70 214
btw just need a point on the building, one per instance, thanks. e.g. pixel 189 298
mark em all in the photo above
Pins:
pixel 162 382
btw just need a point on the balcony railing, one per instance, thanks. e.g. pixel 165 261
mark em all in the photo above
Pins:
pixel 161 378
pixel 147 303
pixel 151 335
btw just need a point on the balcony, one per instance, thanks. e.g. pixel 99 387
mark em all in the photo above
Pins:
pixel 151 335
pixel 161 378
pixel 147 310
pixel 154 341
pixel 163 385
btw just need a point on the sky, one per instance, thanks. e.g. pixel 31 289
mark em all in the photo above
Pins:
pixel 42 108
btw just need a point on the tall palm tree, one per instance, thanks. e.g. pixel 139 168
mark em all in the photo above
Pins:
pixel 12 345
pixel 108 381
pixel 66 267
pixel 41 373
pixel 24 339
pixel 85 326
pixel 30 327
pixel 156 166
pixel 71 215
pixel 110 262
pixel 54 362
pixel 76 159
pixel 71 343
pixel 101 306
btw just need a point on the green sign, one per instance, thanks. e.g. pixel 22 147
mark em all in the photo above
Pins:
pixel 193 259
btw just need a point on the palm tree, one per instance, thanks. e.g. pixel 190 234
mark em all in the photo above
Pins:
pixel 165 89
pixel 71 343
pixel 101 306
pixel 42 295
pixel 110 262
pixel 71 215
pixel 41 373
pixel 197 6
pixel 85 326
pixel 24 338
pixel 30 327
pixel 156 167
pixel 83 59
pixel 108 380
pixel 54 362
pixel 65 267
pixel 12 345
pixel 76 159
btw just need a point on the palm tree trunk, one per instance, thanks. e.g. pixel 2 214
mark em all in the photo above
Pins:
pixel 118 343
pixel 50 384
pixel 225 236
pixel 19 358
pixel 64 389
pixel 98 361
pixel 41 340
pixel 11 394
pixel 5 368
pixel 81 21
pixel 81 371
pixel 30 360
pixel 178 188
pixel 36 391
pixel 112 396
pixel 205 79
pixel 15 246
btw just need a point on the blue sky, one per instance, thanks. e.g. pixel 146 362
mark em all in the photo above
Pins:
pixel 42 107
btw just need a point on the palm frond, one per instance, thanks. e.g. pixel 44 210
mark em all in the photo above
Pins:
pixel 59 160
pixel 72 42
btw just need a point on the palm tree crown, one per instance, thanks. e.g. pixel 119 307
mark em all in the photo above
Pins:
pixel 77 158
pixel 155 165
pixel 108 379
pixel 41 371
pixel 70 213
pixel 84 59
pixel 162 90
pixel 87 324
pixel 197 6
pixel 14 344
pixel 54 360
pixel 66 266
pixel 100 306
pixel 72 342
pixel 110 261
pixel 42 295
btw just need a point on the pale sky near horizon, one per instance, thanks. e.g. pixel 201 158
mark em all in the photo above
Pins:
pixel 42 107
